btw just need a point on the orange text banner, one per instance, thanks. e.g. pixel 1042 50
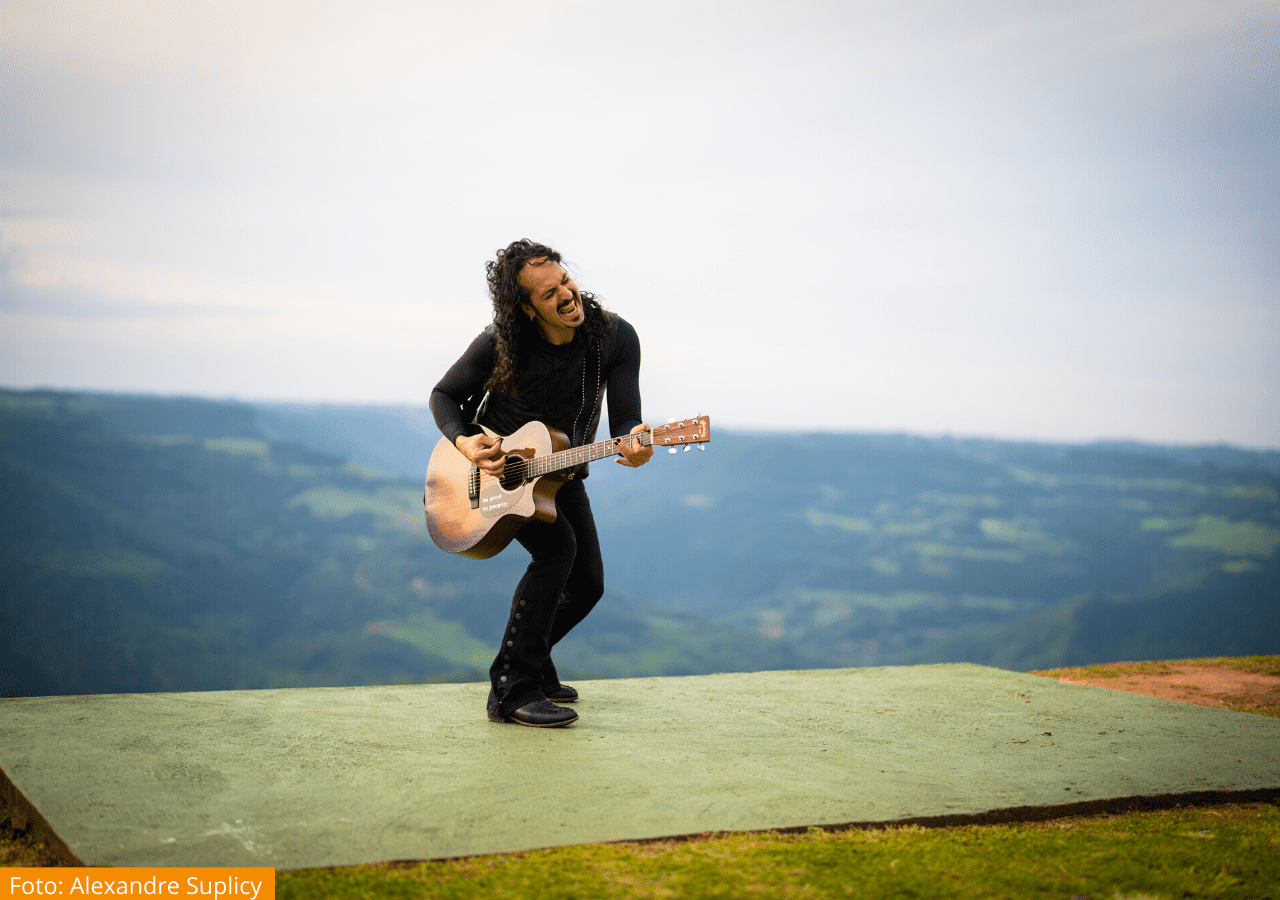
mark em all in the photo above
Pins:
pixel 80 884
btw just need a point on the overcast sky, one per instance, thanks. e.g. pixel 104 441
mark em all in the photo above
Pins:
pixel 1057 220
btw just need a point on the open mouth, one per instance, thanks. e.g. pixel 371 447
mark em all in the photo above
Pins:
pixel 569 308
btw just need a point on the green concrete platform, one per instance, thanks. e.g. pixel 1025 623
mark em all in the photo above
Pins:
pixel 322 777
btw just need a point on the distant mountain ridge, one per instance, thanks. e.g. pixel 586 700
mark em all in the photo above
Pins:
pixel 399 438
pixel 173 543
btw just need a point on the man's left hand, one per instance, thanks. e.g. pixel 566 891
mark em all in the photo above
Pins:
pixel 634 456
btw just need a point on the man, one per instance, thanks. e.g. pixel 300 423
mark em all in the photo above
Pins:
pixel 549 356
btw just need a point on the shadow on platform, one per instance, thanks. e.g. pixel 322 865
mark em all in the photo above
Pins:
pixel 337 776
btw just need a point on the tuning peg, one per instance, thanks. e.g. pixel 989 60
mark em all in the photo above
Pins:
pixel 702 446
pixel 671 449
pixel 688 447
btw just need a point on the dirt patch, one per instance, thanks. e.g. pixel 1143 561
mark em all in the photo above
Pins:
pixel 1246 684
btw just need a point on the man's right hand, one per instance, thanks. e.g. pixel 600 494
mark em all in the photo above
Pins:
pixel 485 452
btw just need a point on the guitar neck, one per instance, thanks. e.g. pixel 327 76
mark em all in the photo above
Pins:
pixel 576 456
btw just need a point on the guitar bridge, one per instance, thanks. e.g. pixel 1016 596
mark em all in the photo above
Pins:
pixel 473 487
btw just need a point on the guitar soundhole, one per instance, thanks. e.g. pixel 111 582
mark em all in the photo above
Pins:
pixel 513 473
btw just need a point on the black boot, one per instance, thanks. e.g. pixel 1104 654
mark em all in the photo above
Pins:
pixel 539 714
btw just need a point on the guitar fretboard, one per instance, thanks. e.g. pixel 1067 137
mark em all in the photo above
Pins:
pixel 576 456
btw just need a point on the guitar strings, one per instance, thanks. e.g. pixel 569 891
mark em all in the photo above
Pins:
pixel 518 469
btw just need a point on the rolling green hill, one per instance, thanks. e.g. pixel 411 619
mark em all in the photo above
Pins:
pixel 180 548
pixel 173 544
pixel 895 549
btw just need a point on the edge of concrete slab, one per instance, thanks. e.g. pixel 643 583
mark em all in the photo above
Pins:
pixel 1011 816
pixel 25 813
pixel 1019 814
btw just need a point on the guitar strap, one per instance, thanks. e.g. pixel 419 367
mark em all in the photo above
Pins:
pixel 484 402
pixel 576 439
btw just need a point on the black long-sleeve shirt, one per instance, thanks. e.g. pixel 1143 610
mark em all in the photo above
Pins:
pixel 559 385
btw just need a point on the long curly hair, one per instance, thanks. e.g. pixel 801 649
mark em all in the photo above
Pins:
pixel 511 326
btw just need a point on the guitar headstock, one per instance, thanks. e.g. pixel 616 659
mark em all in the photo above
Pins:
pixel 686 432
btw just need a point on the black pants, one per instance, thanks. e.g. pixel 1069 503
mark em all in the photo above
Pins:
pixel 564 581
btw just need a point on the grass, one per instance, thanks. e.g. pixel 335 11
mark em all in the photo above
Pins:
pixel 1236 538
pixel 1228 849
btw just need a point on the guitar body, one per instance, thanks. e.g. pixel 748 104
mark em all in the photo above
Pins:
pixel 477 517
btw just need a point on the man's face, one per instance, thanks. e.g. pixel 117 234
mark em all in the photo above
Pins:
pixel 553 298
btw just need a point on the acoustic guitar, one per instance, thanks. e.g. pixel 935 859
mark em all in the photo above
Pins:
pixel 476 515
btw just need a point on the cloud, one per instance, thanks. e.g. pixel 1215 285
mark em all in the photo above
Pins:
pixel 973 207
